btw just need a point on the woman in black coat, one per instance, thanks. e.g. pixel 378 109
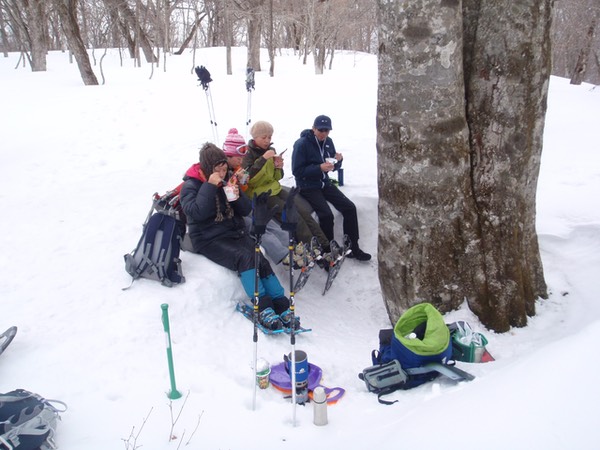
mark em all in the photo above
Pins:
pixel 217 231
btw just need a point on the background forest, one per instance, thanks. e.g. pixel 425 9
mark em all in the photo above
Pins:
pixel 151 29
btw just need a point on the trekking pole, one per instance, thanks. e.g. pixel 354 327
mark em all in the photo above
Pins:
pixel 289 222
pixel 249 88
pixel 205 79
pixel 211 113
pixel 173 393
pixel 255 313
pixel 292 335
pixel 260 217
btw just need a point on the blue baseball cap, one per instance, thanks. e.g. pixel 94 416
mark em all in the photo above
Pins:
pixel 322 122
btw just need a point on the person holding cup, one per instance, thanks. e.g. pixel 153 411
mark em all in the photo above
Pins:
pixel 235 149
pixel 217 231
pixel 314 156
pixel 265 167
pixel 275 240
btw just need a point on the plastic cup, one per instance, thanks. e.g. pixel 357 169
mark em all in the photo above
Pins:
pixel 262 378
pixel 263 370
pixel 242 177
pixel 331 160
pixel 230 193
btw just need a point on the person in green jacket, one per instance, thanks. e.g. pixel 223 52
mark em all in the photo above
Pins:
pixel 265 168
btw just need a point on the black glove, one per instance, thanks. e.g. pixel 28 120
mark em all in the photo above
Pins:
pixel 261 214
pixel 289 217
pixel 203 76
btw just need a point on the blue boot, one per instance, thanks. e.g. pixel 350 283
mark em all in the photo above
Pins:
pixel 270 320
pixel 286 320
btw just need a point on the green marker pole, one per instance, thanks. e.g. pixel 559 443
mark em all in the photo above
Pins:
pixel 174 393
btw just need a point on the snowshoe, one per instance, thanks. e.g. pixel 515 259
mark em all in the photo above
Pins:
pixel 6 338
pixel 337 257
pixel 313 256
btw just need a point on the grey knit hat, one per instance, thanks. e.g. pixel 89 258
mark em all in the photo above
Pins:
pixel 261 128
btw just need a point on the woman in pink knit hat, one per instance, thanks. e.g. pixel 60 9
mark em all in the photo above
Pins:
pixel 235 148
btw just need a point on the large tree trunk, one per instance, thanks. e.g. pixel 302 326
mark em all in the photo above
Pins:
pixel 508 72
pixel 67 11
pixel 428 237
pixel 254 30
pixel 35 24
pixel 228 35
pixel 321 13
pixel 271 42
pixel 450 230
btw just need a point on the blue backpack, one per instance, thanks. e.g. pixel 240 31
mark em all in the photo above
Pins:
pixel 156 255
pixel 420 336
pixel 412 353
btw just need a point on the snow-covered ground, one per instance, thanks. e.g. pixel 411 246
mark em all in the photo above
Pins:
pixel 79 166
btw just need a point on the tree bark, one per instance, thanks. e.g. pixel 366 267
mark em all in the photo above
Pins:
pixel 67 11
pixel 584 53
pixel 228 36
pixel 29 19
pixel 271 42
pixel 507 89
pixel 191 35
pixel 428 240
pixel 133 23
pixel 457 189
pixel 254 32
pixel 321 12
pixel 3 37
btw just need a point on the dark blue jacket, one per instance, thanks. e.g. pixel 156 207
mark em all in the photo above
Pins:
pixel 307 159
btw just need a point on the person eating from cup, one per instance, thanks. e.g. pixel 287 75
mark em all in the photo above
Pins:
pixel 266 169
pixel 275 241
pixel 217 231
pixel 313 157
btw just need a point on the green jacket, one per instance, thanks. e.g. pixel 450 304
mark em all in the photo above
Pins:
pixel 263 174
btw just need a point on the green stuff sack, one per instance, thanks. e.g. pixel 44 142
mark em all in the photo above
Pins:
pixel 421 336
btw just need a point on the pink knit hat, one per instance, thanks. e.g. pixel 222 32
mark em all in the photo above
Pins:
pixel 232 142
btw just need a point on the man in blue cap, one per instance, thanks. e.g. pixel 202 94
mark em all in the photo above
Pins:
pixel 313 158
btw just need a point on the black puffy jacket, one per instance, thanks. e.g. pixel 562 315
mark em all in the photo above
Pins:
pixel 198 199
